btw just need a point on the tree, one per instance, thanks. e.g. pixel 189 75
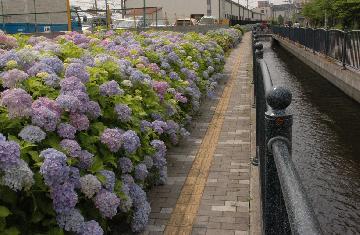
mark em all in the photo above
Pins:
pixel 280 20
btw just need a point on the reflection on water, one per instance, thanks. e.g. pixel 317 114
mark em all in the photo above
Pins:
pixel 326 141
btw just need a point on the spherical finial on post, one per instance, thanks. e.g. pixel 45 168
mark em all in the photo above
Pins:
pixel 279 98
pixel 258 46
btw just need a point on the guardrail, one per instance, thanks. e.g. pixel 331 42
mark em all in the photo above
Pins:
pixel 285 206
pixel 343 46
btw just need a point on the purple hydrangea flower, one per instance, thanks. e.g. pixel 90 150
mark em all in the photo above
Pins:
pixel 159 126
pixel 45 118
pixel 54 63
pixel 17 101
pixel 160 88
pixel 140 217
pixel 144 125
pixel 131 142
pixel 69 103
pixel 179 97
pixel 47 103
pixel 2 137
pixel 9 154
pixel 126 165
pixel 66 131
pixel 40 68
pixel 69 84
pixel 107 203
pixel 110 88
pixel 85 158
pixel 32 134
pixel 174 76
pixel 12 77
pixel 124 112
pixel 54 168
pixel 70 146
pixel 110 179
pixel 64 197
pixel 93 110
pixel 91 228
pixel 112 138
pixel 90 185
pixel 77 70
pixel 141 172
pixel 79 121
pixel 71 221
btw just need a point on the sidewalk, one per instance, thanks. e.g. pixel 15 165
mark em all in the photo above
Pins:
pixel 212 187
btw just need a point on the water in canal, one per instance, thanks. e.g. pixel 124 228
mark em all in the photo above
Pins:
pixel 326 141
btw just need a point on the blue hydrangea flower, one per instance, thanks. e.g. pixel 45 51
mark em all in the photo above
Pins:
pixel 9 154
pixel 12 77
pixel 137 195
pixel 54 168
pixel 40 68
pixel 17 101
pixel 141 172
pixel 90 185
pixel 32 134
pixel 45 118
pixel 126 165
pixel 85 158
pixel 123 111
pixel 93 110
pixel 140 217
pixel 54 63
pixel 52 80
pixel 64 197
pixel 131 142
pixel 69 84
pixel 107 203
pixel 74 177
pixel 110 179
pixel 18 177
pixel 144 125
pixel 69 103
pixel 159 126
pixel 127 179
pixel 77 70
pixel 110 88
pixel 91 228
pixel 71 221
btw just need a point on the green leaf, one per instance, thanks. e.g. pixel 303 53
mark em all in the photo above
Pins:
pixel 4 212
pixel 11 231
pixel 56 231
pixel 35 156
pixel 2 224
pixel 97 165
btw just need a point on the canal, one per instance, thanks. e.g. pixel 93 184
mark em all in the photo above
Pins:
pixel 326 141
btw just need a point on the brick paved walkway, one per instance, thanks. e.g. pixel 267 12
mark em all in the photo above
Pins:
pixel 209 188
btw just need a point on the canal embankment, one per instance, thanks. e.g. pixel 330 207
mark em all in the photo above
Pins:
pixel 347 80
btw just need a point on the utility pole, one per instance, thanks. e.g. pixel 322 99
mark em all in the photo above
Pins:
pixel 144 13
pixel 107 14
pixel 239 8
pixel 68 11
pixel 247 4
pixel 96 6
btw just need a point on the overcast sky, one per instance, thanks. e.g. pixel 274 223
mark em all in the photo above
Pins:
pixel 101 3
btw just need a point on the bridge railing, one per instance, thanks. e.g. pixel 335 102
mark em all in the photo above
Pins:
pixel 286 208
pixel 343 46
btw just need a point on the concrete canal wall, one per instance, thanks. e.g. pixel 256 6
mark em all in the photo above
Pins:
pixel 347 80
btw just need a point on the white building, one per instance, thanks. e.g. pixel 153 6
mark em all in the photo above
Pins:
pixel 265 8
pixel 175 9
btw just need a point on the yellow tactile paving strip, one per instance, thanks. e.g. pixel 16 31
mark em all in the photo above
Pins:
pixel 187 205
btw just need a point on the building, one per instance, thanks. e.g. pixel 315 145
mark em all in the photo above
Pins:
pixel 287 11
pixel 265 8
pixel 175 9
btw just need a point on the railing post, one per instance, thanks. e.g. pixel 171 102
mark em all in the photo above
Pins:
pixel 344 49
pixel 278 125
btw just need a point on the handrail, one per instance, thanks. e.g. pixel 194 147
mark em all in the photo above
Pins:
pixel 301 216
pixel 342 46
pixel 286 207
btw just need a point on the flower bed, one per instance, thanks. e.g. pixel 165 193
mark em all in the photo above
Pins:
pixel 86 120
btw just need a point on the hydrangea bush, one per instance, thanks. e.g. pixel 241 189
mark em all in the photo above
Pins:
pixel 86 120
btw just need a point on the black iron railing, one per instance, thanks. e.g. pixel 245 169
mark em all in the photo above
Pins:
pixel 343 46
pixel 285 206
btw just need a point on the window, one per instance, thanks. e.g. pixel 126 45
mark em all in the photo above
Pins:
pixel 262 11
